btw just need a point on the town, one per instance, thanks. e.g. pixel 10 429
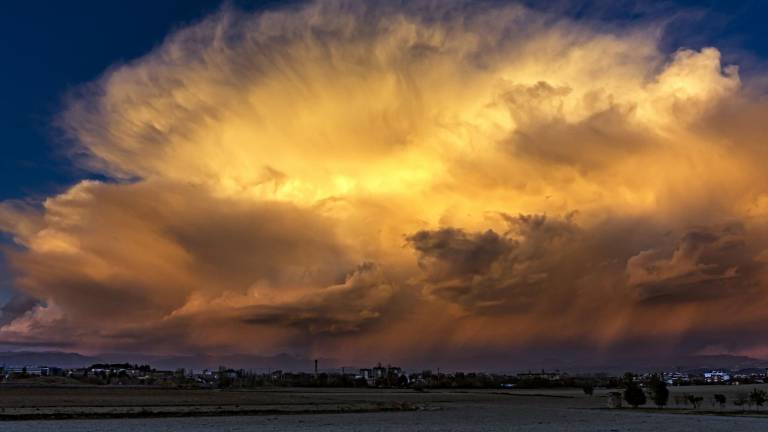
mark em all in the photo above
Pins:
pixel 379 376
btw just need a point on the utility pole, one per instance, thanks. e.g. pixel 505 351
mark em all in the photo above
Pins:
pixel 315 367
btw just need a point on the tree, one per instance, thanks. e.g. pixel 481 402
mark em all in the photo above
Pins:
pixel 720 400
pixel 694 400
pixel 659 391
pixel 758 397
pixel 633 394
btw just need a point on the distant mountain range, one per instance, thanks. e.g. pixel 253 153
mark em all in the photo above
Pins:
pixel 721 362
pixel 289 362
pixel 73 360
pixel 46 358
pixel 286 362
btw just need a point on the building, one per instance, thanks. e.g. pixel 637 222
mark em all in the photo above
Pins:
pixel 716 377
pixel 543 376
pixel 676 378
pixel 380 375
pixel 32 370
pixel 379 371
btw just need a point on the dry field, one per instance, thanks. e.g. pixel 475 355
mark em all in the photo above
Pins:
pixel 150 409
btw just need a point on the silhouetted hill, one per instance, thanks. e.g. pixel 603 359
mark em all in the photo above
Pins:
pixel 285 362
pixel 721 362
pixel 46 358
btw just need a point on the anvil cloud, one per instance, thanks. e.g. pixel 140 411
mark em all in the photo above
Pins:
pixel 360 180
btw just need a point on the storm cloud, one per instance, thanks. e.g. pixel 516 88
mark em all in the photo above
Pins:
pixel 368 180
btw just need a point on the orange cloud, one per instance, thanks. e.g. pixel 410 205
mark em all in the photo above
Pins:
pixel 318 177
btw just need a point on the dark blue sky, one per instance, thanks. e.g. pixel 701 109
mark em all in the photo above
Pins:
pixel 48 47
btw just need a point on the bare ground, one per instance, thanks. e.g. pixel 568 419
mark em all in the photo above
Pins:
pixel 128 409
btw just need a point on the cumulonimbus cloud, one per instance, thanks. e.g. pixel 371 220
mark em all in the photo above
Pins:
pixel 322 176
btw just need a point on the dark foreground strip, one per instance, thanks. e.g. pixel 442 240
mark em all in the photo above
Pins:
pixel 543 395
pixel 689 411
pixel 215 413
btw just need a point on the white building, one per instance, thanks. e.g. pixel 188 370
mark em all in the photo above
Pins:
pixel 716 377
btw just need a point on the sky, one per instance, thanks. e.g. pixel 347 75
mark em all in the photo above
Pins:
pixel 463 181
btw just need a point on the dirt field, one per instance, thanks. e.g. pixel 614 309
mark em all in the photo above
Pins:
pixel 130 409
pixel 92 402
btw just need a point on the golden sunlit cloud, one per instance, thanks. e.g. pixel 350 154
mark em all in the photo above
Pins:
pixel 327 178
